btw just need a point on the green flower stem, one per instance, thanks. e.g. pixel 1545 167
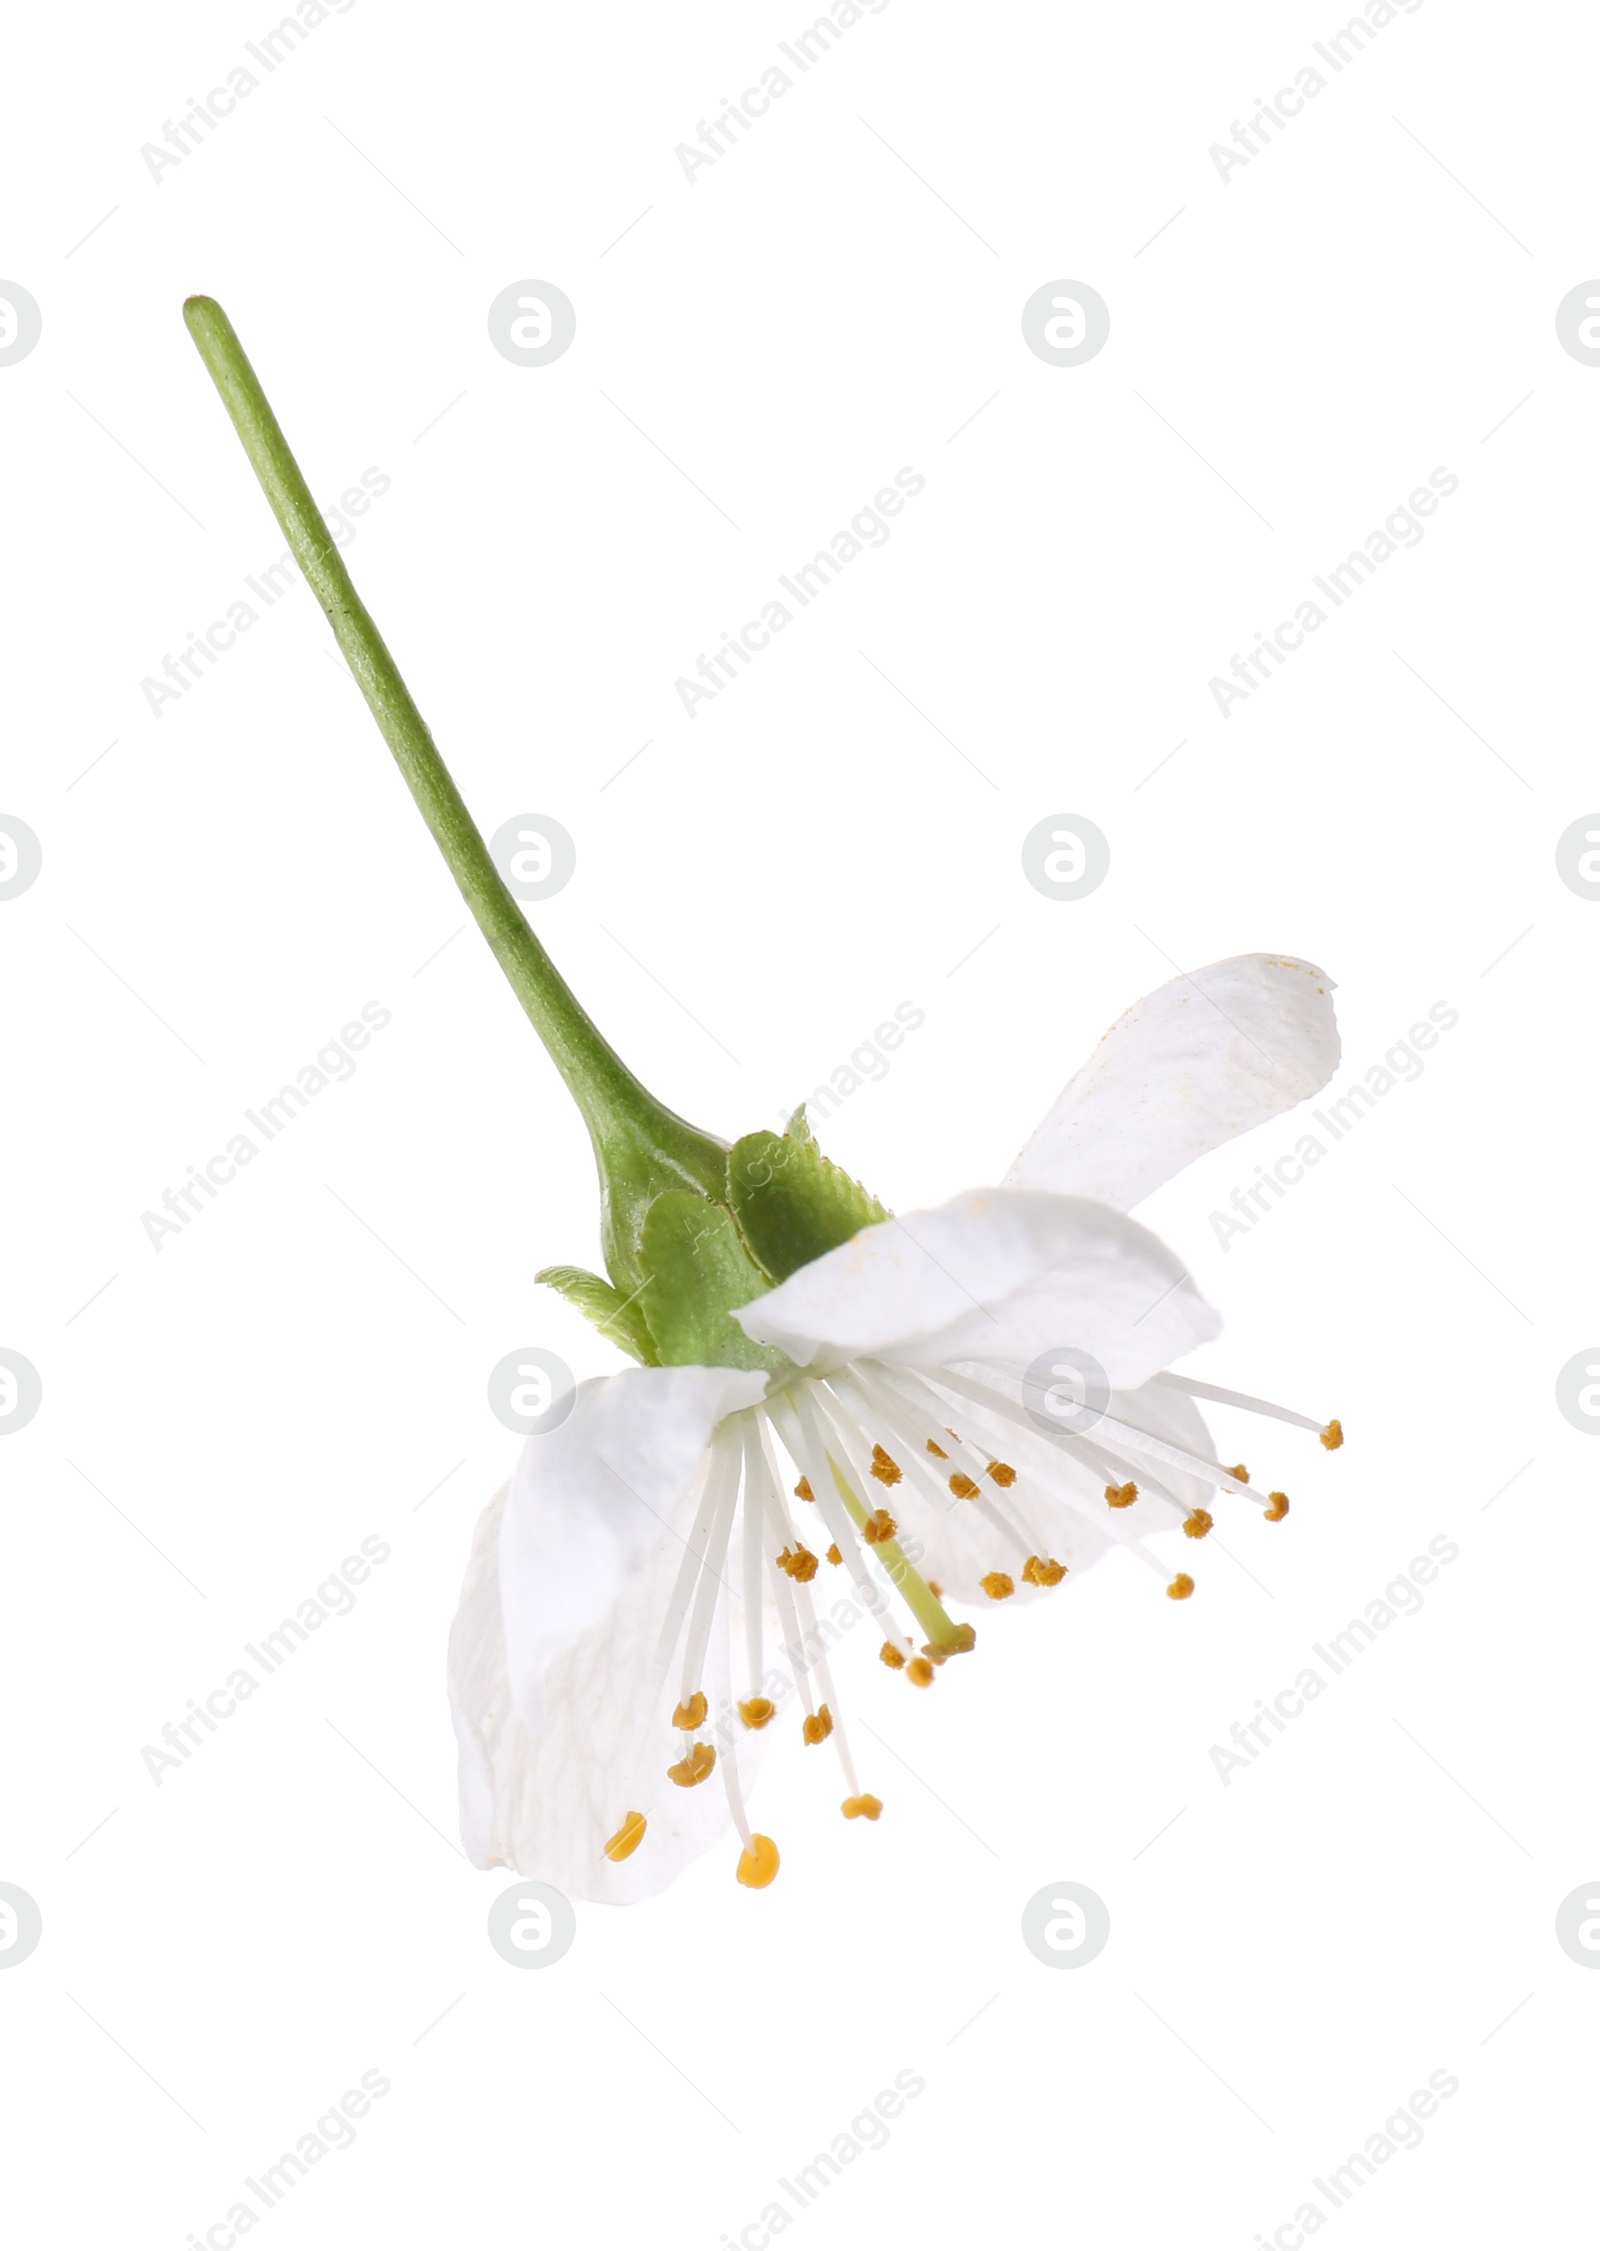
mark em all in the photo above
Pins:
pixel 641 1146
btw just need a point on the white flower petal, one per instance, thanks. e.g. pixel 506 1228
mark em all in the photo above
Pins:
pixel 997 1276
pixel 588 1502
pixel 543 1800
pixel 1184 1070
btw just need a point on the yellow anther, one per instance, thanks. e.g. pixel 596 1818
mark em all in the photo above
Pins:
pixel 1332 1435
pixel 1239 1471
pixel 1043 1571
pixel 935 1448
pixel 758 1863
pixel 627 1839
pixel 1181 1588
pixel 935 1589
pixel 833 1554
pixel 853 1808
pixel 803 1492
pixel 1122 1496
pixel 880 1525
pixel 1002 1473
pixel 1198 1523
pixel 997 1585
pixel 688 1771
pixel 919 1672
pixel 691 1713
pixel 818 1725
pixel 799 1562
pixel 892 1657
pixel 884 1468
pixel 1277 1507
pixel 755 1711
pixel 962 1487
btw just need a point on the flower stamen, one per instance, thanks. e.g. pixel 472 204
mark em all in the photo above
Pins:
pixel 628 1838
pixel 758 1863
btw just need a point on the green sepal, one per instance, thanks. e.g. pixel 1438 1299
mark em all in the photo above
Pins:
pixel 793 1203
pixel 619 1319
pixel 697 1270
pixel 799 1126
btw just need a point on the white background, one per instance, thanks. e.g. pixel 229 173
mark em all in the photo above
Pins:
pixel 1373 1899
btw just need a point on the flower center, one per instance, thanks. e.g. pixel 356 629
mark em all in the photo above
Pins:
pixel 855 1445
